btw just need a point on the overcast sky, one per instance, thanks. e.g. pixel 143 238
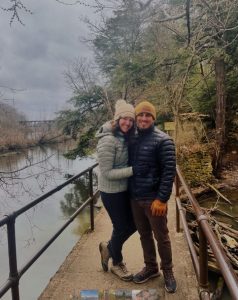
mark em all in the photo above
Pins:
pixel 33 57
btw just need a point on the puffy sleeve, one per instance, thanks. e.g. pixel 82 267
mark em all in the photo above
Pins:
pixel 106 151
pixel 167 159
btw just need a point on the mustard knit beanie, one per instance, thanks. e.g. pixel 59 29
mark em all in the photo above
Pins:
pixel 123 110
pixel 145 107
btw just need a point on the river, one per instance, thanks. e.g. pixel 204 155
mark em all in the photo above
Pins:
pixel 47 168
pixel 212 201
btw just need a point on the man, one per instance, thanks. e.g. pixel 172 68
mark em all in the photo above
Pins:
pixel 150 192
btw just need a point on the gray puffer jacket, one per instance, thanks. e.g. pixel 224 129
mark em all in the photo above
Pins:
pixel 112 156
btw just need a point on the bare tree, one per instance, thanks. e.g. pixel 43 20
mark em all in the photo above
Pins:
pixel 81 77
pixel 211 34
pixel 15 8
pixel 90 107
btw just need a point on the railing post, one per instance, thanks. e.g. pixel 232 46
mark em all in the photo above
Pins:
pixel 177 182
pixel 12 256
pixel 91 195
pixel 203 260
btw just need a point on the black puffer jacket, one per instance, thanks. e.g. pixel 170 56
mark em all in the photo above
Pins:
pixel 155 149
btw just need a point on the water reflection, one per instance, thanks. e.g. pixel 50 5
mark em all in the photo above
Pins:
pixel 29 174
pixel 16 160
pixel 211 201
pixel 75 197
pixel 46 169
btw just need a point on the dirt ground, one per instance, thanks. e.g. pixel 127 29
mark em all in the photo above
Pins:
pixel 229 176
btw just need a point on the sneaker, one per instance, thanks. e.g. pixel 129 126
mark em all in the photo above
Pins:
pixel 145 274
pixel 105 255
pixel 170 282
pixel 121 271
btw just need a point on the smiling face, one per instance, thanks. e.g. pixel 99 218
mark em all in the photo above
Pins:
pixel 144 120
pixel 125 124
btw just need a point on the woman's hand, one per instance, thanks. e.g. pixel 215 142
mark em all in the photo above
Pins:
pixel 140 170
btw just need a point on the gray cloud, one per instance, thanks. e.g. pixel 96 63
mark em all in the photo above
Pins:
pixel 33 57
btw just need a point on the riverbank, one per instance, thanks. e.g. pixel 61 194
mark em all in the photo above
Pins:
pixel 7 150
pixel 228 181
pixel 229 175
pixel 219 200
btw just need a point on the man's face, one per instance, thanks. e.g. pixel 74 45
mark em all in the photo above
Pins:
pixel 144 120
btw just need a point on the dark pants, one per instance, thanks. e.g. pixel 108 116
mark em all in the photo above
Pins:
pixel 119 211
pixel 147 225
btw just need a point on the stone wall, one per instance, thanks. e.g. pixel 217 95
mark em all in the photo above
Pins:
pixel 196 164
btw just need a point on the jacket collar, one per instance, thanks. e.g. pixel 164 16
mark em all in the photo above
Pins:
pixel 146 131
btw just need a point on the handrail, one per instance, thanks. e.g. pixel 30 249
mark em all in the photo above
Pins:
pixel 44 196
pixel 9 220
pixel 206 234
pixel 200 264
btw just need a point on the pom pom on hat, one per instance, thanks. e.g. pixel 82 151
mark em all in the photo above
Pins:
pixel 123 110
pixel 145 107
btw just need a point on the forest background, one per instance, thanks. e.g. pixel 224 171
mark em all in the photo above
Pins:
pixel 181 55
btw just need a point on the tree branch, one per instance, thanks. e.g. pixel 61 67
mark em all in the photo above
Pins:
pixel 25 167
pixel 188 3
pixel 172 18
pixel 16 6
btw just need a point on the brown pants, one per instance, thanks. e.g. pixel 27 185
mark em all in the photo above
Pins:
pixel 147 225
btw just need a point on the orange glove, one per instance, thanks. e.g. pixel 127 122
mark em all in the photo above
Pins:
pixel 158 208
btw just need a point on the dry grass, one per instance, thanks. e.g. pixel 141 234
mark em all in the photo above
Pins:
pixel 10 138
pixel 14 138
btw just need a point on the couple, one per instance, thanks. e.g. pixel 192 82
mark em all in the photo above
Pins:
pixel 137 166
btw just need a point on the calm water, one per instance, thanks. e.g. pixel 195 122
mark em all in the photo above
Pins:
pixel 47 169
pixel 212 200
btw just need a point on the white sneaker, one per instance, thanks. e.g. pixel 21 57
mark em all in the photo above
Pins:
pixel 121 271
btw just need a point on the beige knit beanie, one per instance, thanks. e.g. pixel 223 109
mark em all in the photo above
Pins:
pixel 123 110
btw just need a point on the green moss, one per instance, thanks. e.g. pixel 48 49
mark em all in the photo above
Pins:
pixel 196 166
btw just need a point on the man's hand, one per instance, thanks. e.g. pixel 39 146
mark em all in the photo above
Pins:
pixel 158 208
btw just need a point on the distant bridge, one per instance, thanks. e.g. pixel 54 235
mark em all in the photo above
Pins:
pixel 37 123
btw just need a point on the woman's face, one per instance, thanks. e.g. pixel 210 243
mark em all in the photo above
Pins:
pixel 125 124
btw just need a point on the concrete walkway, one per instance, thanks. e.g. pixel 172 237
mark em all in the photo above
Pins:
pixel 82 268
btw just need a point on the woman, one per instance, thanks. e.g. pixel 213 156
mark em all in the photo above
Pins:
pixel 114 171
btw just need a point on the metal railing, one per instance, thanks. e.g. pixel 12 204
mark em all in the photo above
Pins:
pixel 206 235
pixel 200 263
pixel 14 273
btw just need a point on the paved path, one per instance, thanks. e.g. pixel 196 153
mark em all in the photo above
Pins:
pixel 82 268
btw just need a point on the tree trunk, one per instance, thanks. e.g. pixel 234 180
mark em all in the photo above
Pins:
pixel 220 114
